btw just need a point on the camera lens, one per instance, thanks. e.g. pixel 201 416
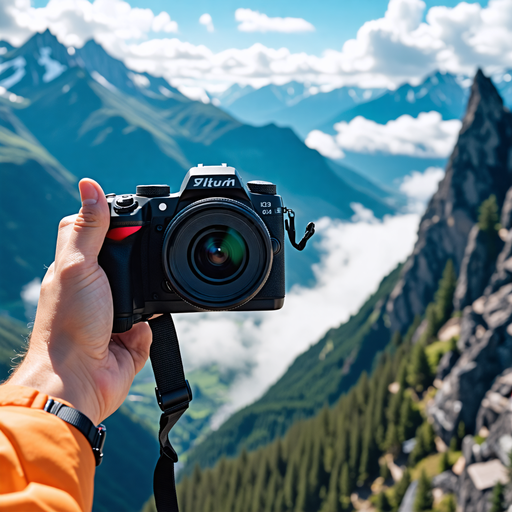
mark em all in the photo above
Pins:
pixel 217 254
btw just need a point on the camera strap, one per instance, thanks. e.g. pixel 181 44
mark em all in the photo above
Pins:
pixel 289 225
pixel 173 394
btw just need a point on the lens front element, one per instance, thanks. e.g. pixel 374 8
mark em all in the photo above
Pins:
pixel 217 254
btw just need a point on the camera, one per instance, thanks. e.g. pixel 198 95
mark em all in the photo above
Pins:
pixel 215 245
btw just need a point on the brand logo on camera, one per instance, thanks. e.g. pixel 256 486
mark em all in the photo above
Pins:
pixel 214 182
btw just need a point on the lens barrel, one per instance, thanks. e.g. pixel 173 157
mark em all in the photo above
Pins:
pixel 217 254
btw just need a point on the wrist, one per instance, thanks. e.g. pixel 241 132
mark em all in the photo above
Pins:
pixel 57 382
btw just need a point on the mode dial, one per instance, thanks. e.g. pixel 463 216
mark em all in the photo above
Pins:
pixel 262 187
pixel 153 190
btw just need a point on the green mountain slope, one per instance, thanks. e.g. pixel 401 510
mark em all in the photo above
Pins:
pixel 331 462
pixel 316 378
pixel 33 182
pixel 122 137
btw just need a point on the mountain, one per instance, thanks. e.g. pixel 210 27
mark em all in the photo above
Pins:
pixel 503 83
pixel 294 105
pixel 479 166
pixel 97 125
pixel 440 92
pixel 225 98
pixel 449 376
pixel 82 113
pixel 42 59
pixel 42 184
pixel 5 47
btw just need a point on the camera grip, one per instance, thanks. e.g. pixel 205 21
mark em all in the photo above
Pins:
pixel 115 259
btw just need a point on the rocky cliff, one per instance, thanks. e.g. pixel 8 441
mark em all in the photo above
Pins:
pixel 480 165
pixel 477 391
pixel 486 350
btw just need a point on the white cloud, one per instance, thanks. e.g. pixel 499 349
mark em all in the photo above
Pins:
pixel 324 143
pixel 206 20
pixel 386 52
pixel 424 136
pixel 254 21
pixel 260 346
pixel 76 21
pixel 194 93
pixel 420 187
pixel 30 296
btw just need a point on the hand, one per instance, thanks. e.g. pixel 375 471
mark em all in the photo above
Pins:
pixel 73 354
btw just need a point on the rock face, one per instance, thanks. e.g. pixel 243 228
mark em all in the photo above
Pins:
pixel 493 455
pixel 486 346
pixel 480 165
pixel 477 266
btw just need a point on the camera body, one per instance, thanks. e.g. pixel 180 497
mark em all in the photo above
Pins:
pixel 216 245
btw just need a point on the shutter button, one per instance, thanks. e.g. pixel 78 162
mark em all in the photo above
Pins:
pixel 125 204
pixel 124 201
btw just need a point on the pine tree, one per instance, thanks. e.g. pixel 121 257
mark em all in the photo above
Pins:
pixel 457 437
pixel 396 340
pixel 497 499
pixel 444 295
pixel 439 311
pixel 345 481
pixel 384 471
pixel 488 216
pixel 425 443
pixel 450 503
pixel 382 503
pixel 424 500
pixel 410 418
pixel 401 488
pixel 420 375
pixel 444 463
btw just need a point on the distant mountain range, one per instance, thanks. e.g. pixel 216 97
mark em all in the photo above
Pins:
pixel 439 92
pixel 292 104
pixel 89 115
pixel 295 106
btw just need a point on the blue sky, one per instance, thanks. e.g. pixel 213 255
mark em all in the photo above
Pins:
pixel 335 21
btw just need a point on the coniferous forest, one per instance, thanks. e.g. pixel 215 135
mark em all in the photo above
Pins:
pixel 321 461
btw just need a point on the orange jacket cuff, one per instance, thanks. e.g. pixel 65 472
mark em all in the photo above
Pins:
pixel 45 463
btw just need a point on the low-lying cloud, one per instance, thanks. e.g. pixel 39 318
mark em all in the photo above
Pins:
pixel 259 347
pixel 419 187
pixel 426 136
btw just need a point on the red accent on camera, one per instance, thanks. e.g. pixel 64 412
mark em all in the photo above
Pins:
pixel 122 233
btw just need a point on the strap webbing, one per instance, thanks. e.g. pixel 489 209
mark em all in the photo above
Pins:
pixel 173 394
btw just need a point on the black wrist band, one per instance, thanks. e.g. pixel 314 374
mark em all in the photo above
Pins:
pixel 95 435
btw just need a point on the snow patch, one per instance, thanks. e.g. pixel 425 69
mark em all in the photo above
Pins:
pixel 103 81
pixel 18 64
pixel 194 93
pixel 139 80
pixel 53 68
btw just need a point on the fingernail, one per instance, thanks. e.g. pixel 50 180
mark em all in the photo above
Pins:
pixel 88 193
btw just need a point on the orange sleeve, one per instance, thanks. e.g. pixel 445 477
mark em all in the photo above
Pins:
pixel 45 463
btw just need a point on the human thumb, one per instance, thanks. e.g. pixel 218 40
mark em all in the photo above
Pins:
pixel 92 222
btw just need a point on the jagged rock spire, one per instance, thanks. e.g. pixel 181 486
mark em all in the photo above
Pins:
pixel 480 165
